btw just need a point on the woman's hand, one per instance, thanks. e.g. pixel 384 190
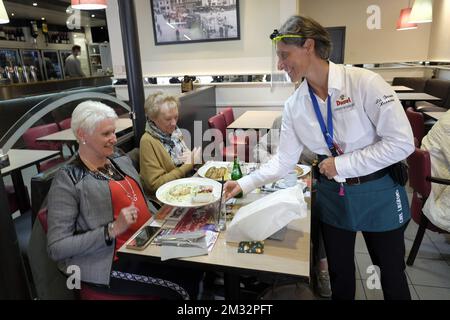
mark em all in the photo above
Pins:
pixel 192 157
pixel 126 218
pixel 328 168
pixel 230 189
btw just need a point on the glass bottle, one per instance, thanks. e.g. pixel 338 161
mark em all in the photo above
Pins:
pixel 236 174
pixel 45 31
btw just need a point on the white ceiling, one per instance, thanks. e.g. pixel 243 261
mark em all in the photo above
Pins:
pixel 57 15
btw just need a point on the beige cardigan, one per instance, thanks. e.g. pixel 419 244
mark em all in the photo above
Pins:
pixel 157 166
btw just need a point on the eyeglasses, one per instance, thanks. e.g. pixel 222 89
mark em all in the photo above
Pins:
pixel 277 36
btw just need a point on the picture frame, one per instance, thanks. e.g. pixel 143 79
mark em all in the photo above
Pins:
pixel 193 21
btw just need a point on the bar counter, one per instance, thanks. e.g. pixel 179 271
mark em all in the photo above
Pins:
pixel 19 90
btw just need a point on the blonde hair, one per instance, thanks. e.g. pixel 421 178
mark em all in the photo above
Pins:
pixel 88 114
pixel 308 29
pixel 158 101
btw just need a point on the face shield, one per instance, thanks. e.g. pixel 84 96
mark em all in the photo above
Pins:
pixel 279 77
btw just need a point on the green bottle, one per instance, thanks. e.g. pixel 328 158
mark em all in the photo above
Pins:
pixel 236 174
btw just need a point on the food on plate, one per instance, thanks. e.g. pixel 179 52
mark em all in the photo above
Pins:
pixel 299 171
pixel 216 173
pixel 179 191
pixel 202 194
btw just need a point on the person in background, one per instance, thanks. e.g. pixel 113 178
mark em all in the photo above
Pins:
pixel 437 143
pixel 72 66
pixel 163 154
pixel 264 151
pixel 95 204
pixel 352 119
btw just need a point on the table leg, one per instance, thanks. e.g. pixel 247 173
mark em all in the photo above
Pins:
pixel 21 192
pixel 232 286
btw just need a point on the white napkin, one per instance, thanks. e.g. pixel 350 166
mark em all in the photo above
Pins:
pixel 262 218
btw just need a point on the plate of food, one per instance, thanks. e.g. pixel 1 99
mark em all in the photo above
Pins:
pixel 189 192
pixel 216 170
pixel 302 170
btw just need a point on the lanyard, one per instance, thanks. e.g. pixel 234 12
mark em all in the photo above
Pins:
pixel 327 132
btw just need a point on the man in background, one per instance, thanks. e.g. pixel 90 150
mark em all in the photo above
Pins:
pixel 72 66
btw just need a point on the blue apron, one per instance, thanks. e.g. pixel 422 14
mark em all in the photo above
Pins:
pixel 374 206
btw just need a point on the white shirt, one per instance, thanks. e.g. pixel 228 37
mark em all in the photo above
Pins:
pixel 437 142
pixel 369 124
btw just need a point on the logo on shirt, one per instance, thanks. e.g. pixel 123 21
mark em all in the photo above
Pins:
pixel 343 101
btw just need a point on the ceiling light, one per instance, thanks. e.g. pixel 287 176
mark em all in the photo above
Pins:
pixel 403 21
pixel 89 4
pixel 92 15
pixel 422 11
pixel 42 18
pixel 3 14
pixel 12 14
pixel 34 4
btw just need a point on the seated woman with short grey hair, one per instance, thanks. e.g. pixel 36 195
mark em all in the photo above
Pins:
pixel 95 204
pixel 163 154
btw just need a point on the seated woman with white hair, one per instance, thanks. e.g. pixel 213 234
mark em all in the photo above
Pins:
pixel 95 204
pixel 163 154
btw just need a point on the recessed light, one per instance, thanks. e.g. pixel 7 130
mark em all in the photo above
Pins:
pixel 34 4
pixel 92 15
pixel 42 18
pixel 12 14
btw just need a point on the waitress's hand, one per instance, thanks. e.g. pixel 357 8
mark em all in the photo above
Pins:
pixel 127 217
pixel 230 189
pixel 328 168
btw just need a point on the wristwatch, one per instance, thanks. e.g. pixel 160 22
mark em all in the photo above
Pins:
pixel 109 230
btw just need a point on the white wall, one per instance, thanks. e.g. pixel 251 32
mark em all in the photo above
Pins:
pixel 440 38
pixel 371 46
pixel 251 54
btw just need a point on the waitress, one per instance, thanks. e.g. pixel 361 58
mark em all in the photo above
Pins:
pixel 353 120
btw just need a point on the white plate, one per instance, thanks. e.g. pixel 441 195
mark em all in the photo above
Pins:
pixel 162 194
pixel 306 170
pixel 219 164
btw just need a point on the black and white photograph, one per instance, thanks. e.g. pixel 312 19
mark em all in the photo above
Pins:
pixel 187 21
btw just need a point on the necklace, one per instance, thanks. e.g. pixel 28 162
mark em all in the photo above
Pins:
pixel 132 196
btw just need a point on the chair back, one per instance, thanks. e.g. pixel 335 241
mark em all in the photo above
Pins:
pixel 31 135
pixel 419 169
pixel 417 124
pixel 65 124
pixel 218 122
pixel 135 158
pixel 228 114
pixel 49 282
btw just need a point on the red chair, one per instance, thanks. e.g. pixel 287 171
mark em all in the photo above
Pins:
pixel 30 138
pixel 420 180
pixel 231 151
pixel 12 198
pixel 417 124
pixel 65 124
pixel 228 114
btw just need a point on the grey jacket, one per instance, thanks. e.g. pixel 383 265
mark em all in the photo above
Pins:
pixel 79 206
pixel 72 67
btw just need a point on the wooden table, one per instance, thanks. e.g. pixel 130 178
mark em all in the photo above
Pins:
pixel 402 89
pixel 288 257
pixel 255 120
pixel 20 159
pixel 435 115
pixel 68 136
pixel 409 97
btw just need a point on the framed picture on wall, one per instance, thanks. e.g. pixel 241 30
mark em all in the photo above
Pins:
pixel 189 21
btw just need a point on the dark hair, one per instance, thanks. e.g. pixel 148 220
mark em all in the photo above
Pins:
pixel 76 47
pixel 309 29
